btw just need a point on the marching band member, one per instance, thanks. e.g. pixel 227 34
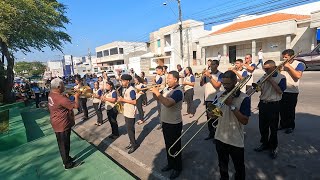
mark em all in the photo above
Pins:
pixel 145 82
pixel 171 105
pixel 83 100
pixel 188 83
pixel 181 74
pixel 293 72
pixel 240 72
pixel 110 98
pixel 229 133
pixel 211 80
pixel 250 67
pixel 62 119
pixel 139 85
pixel 97 93
pixel 101 85
pixel 129 102
pixel 159 79
pixel 269 108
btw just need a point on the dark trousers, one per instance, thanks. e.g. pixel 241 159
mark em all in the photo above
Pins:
pixel 237 156
pixel 211 129
pixel 63 139
pixel 131 131
pixel 269 120
pixel 47 95
pixel 144 99
pixel 171 132
pixel 288 110
pixel 83 104
pixel 139 107
pixel 188 98
pixel 112 117
pixel 97 108
pixel 37 99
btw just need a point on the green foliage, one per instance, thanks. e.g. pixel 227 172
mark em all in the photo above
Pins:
pixel 26 25
pixel 29 68
pixel 36 24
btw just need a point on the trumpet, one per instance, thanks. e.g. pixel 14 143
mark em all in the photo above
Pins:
pixel 215 109
pixel 147 88
pixel 256 87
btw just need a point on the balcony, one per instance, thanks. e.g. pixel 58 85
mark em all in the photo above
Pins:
pixel 167 48
pixel 114 57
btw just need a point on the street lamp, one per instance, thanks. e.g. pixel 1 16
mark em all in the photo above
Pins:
pixel 180 30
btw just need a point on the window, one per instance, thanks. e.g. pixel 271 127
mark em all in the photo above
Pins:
pixel 113 51
pixel 194 55
pixel 120 50
pixel 159 43
pixel 106 52
pixel 99 54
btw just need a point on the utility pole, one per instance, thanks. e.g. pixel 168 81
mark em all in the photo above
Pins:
pixel 180 28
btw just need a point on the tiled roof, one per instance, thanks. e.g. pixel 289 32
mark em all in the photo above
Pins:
pixel 260 21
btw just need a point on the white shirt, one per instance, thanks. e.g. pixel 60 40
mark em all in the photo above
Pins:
pixel 260 55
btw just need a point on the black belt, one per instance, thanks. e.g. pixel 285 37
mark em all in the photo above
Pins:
pixel 269 102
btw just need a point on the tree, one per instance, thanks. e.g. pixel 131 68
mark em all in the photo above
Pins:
pixel 26 25
pixel 29 68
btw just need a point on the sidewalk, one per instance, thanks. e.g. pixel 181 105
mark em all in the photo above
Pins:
pixel 39 158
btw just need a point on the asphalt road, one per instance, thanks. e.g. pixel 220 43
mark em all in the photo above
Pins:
pixel 298 152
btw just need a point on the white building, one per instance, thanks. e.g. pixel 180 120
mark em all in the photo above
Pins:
pixel 293 28
pixel 165 43
pixel 56 68
pixel 273 34
pixel 116 53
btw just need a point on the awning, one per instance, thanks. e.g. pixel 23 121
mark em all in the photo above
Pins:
pixel 162 57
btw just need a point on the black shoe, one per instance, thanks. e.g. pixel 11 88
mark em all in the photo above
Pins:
pixel 129 146
pixel 274 153
pixel 132 149
pixel 209 137
pixel 289 131
pixel 262 147
pixel 166 168
pixel 112 136
pixel 85 118
pixel 72 165
pixel 175 174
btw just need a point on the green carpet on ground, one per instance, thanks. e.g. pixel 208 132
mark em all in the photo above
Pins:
pixel 40 158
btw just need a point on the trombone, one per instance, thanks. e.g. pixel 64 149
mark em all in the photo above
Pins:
pixel 256 87
pixel 215 109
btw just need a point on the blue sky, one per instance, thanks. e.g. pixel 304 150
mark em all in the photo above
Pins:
pixel 97 22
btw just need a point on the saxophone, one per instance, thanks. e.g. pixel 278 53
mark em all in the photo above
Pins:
pixel 119 105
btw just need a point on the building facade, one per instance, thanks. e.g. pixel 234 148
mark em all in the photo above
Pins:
pixel 165 44
pixel 115 53
pixel 272 33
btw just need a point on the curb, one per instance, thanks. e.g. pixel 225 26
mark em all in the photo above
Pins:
pixel 123 153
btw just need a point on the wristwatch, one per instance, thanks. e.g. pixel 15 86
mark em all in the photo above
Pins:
pixel 232 108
